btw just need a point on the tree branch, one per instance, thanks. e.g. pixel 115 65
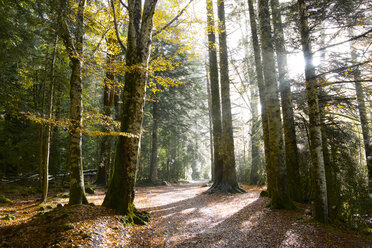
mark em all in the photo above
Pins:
pixel 122 3
pixel 341 69
pixel 116 27
pixel 171 21
pixel 342 42
pixel 67 38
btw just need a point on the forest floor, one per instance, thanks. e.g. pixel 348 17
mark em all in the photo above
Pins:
pixel 181 216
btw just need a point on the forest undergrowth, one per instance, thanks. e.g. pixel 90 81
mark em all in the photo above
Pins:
pixel 181 216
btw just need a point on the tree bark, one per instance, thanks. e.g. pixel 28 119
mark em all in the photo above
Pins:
pixel 41 136
pixel 262 93
pixel 229 181
pixel 320 184
pixel 210 124
pixel 108 103
pixel 363 116
pixel 120 194
pixel 215 95
pixel 255 150
pixel 291 152
pixel 279 194
pixel 48 127
pixel 75 50
pixel 154 148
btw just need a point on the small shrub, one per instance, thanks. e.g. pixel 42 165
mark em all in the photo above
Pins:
pixel 3 199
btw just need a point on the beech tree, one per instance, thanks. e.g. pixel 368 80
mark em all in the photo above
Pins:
pixel 108 103
pixel 74 46
pixel 120 194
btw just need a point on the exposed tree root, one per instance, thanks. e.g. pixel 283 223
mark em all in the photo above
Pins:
pixel 225 188
pixel 136 218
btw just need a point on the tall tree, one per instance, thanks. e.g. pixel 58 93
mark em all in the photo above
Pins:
pixel 320 184
pixel 74 47
pixel 262 92
pixel 291 153
pixel 255 134
pixel 108 103
pixel 210 123
pixel 48 128
pixel 120 194
pixel 154 144
pixel 279 194
pixel 215 95
pixel 229 181
pixel 362 113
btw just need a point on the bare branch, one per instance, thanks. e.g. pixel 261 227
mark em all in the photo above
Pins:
pixel 171 21
pixel 122 3
pixel 345 41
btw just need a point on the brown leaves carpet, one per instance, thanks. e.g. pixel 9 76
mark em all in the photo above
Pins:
pixel 181 216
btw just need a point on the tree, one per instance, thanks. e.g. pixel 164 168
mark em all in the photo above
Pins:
pixel 120 194
pixel 291 153
pixel 320 184
pixel 279 194
pixel 75 51
pixel 154 148
pixel 229 181
pixel 108 103
pixel 362 115
pixel 262 92
pixel 215 95
pixel 48 129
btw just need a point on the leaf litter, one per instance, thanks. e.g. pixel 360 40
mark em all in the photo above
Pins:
pixel 181 216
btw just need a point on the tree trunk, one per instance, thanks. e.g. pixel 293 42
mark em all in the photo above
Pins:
pixel 229 181
pixel 321 201
pixel 210 124
pixel 279 194
pixel 215 95
pixel 41 137
pixel 363 116
pixel 48 127
pixel 262 93
pixel 291 153
pixel 75 49
pixel 154 150
pixel 255 150
pixel 108 102
pixel 120 194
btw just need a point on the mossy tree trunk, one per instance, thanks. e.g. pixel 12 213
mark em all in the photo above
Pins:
pixel 262 92
pixel 291 152
pixel 279 194
pixel 154 147
pixel 317 159
pixel 75 50
pixel 120 194
pixel 215 95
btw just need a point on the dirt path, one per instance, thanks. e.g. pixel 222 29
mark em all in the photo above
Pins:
pixel 182 216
